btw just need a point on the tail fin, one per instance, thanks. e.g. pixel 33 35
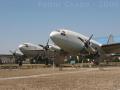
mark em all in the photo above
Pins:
pixel 110 39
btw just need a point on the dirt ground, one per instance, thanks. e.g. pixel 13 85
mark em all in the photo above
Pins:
pixel 67 79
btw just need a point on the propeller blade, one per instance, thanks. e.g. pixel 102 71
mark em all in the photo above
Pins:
pixel 11 51
pixel 41 45
pixel 87 43
pixel 46 47
pixel 90 38
pixel 81 39
pixel 47 42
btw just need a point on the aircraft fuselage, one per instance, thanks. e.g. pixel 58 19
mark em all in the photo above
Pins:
pixel 69 40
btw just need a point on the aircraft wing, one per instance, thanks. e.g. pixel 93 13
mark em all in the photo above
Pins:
pixel 111 48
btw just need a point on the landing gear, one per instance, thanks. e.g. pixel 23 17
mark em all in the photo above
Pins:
pixel 96 62
pixel 46 61
pixel 39 60
pixel 32 61
pixel 20 63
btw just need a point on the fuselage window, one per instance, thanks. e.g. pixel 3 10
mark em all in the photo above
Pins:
pixel 63 33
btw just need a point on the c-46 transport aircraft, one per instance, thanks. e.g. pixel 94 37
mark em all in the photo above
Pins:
pixel 76 43
pixel 30 49
pixel 27 51
pixel 36 52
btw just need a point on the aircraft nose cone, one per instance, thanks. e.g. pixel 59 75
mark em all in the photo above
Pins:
pixel 21 46
pixel 54 35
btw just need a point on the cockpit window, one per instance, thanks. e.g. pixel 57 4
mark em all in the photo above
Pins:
pixel 26 45
pixel 63 33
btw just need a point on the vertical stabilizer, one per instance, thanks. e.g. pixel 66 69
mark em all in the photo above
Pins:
pixel 110 39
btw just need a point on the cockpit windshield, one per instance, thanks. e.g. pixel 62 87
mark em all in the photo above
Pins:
pixel 63 33
pixel 26 45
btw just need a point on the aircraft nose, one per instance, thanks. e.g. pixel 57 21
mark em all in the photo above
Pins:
pixel 54 35
pixel 21 46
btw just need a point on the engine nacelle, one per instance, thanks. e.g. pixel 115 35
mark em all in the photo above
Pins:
pixel 54 48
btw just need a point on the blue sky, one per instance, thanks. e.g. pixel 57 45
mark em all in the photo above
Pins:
pixel 33 20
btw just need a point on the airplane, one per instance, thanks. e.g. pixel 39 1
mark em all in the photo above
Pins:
pixel 76 43
pixel 27 50
pixel 36 53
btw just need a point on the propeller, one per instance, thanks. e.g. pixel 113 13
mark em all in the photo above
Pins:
pixel 17 56
pixel 46 47
pixel 45 55
pixel 13 52
pixel 87 43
